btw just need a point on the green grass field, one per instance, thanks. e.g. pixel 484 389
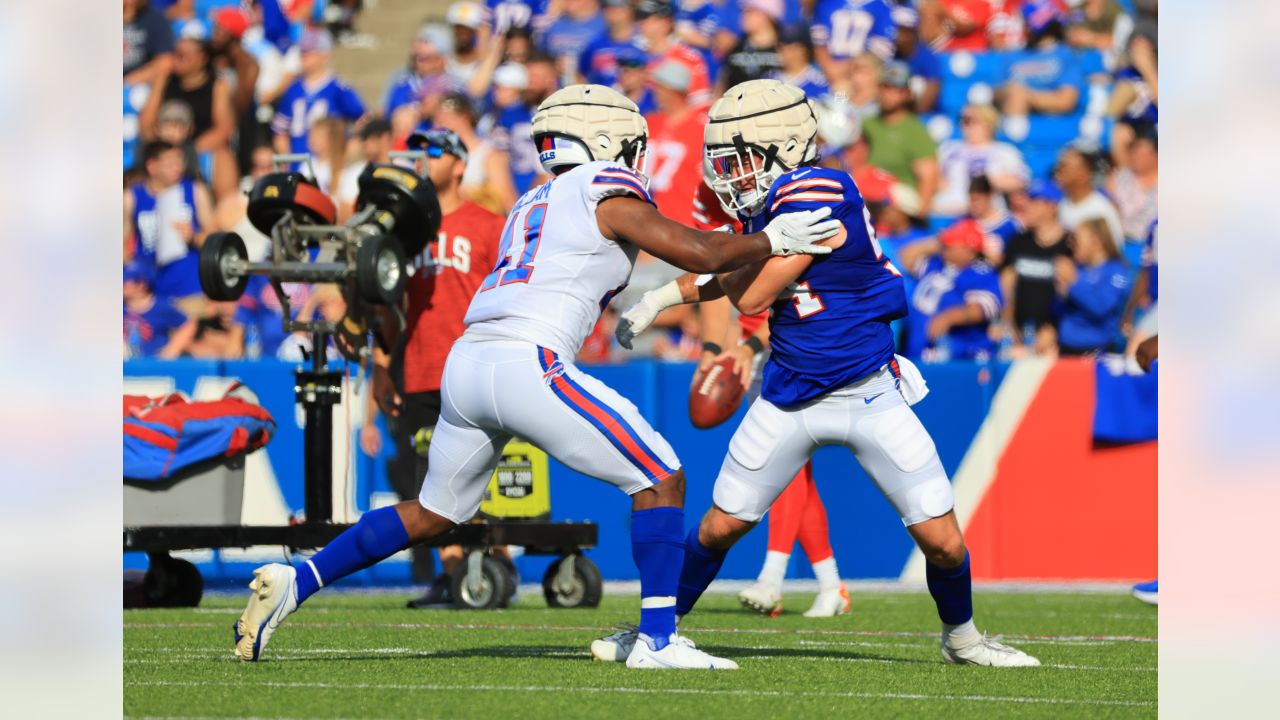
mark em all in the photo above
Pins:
pixel 354 655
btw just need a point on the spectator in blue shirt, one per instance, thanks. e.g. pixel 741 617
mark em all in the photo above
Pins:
pixel 568 35
pixel 1045 79
pixel 797 68
pixel 314 95
pixel 998 226
pixel 599 61
pixel 148 44
pixel 529 15
pixel 1093 291
pixel 918 56
pixel 427 78
pixel 956 299
pixel 698 25
pixel 153 327
pixel 508 125
pixel 633 80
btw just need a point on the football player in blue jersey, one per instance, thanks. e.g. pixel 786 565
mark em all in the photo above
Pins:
pixel 832 377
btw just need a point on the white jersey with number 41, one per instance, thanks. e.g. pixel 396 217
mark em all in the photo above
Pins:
pixel 556 272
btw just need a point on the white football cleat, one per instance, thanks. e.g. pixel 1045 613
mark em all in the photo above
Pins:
pixel 830 603
pixel 678 654
pixel 615 647
pixel 982 650
pixel 274 597
pixel 763 598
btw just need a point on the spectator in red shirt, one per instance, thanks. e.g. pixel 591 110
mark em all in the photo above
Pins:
pixel 675 143
pixel 446 276
pixel 656 19
pixel 956 24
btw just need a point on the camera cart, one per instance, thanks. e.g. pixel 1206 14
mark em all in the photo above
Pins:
pixel 397 212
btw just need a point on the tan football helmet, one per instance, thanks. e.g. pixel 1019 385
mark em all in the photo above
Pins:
pixel 757 131
pixel 582 123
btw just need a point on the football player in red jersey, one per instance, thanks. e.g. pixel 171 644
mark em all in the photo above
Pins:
pixel 798 513
pixel 445 277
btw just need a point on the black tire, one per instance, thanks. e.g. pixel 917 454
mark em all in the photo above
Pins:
pixel 381 271
pixel 172 582
pixel 494 586
pixel 587 586
pixel 218 251
pixel 513 577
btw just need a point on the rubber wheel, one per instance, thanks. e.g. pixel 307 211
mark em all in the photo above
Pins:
pixel 220 249
pixel 513 577
pixel 587 586
pixel 381 270
pixel 493 592
pixel 172 582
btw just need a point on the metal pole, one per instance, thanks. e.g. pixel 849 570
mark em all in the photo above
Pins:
pixel 317 390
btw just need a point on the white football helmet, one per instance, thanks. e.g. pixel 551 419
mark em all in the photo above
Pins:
pixel 759 130
pixel 583 123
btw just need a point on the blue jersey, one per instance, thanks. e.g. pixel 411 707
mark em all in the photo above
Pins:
pixel 848 28
pixel 942 287
pixel 1045 69
pixel 832 328
pixel 599 60
pixel 301 106
pixel 510 129
pixel 146 333
pixel 810 80
pixel 181 277
pixel 1143 108
pixel 507 14
pixel 999 230
pixel 703 18
pixel 566 36
pixel 1151 261
pixel 1094 306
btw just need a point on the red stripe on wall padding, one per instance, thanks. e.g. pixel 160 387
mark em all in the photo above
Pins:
pixel 1059 508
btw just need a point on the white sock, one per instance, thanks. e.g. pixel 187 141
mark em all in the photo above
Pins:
pixel 775 569
pixel 959 632
pixel 827 573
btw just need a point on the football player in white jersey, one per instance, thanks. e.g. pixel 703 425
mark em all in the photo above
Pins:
pixel 567 248
pixel 832 377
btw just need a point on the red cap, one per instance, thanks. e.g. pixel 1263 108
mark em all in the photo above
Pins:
pixel 966 233
pixel 233 20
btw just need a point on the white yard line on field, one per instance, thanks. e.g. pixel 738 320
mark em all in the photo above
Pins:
pixel 1014 699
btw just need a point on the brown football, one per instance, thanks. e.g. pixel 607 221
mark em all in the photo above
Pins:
pixel 715 394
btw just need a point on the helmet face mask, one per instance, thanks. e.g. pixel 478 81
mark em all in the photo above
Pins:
pixel 741 177
pixel 588 123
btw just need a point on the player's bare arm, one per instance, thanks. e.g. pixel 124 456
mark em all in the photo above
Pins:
pixel 632 220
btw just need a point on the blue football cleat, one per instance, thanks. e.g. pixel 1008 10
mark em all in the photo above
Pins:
pixel 1146 592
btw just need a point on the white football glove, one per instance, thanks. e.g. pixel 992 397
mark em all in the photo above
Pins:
pixel 796 233
pixel 640 316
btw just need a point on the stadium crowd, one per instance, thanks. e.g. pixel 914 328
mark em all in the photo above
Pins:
pixel 1006 149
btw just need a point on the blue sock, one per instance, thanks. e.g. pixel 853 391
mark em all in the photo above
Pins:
pixel 379 535
pixel 701 564
pixel 952 591
pixel 656 548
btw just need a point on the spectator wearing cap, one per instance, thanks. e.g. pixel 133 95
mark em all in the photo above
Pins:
pixel 166 218
pixel 1134 188
pixel 487 181
pixel 926 67
pixel 1075 172
pixel 153 327
pixel 470 36
pixel 174 125
pixel 756 54
pixel 427 77
pixel 953 25
pixel 213 117
pixel 835 40
pixel 675 144
pixel 656 22
pixel 1046 79
pixel 579 23
pixel 976 152
pixel 998 226
pixel 148 45
pixel 1027 272
pixel 1093 291
pixel 899 141
pixel 447 274
pixel 599 62
pixel 317 93
pixel 796 60
pixel 239 69
pixel 633 80
pixel 956 299
pixel 509 125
